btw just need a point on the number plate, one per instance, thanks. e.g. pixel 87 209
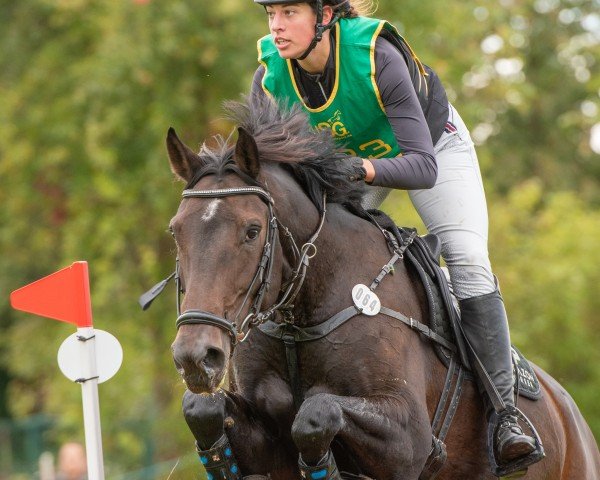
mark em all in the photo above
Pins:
pixel 365 300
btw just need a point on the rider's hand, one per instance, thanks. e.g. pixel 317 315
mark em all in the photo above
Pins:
pixel 352 168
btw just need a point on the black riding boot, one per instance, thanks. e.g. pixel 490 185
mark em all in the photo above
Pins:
pixel 486 327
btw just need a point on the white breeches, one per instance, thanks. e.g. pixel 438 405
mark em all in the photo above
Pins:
pixel 455 209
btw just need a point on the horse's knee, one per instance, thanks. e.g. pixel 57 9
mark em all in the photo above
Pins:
pixel 319 419
pixel 205 416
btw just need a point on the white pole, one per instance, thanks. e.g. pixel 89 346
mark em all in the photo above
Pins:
pixel 91 404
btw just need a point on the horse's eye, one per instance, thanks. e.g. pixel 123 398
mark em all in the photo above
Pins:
pixel 252 233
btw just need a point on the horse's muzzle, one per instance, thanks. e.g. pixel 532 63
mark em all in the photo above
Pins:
pixel 202 368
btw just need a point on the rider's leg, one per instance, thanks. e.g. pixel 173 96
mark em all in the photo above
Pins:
pixel 455 209
pixel 485 324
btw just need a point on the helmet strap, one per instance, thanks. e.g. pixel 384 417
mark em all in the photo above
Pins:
pixel 320 29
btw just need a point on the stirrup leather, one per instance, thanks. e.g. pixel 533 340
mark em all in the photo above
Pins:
pixel 520 465
pixel 219 462
pixel 326 469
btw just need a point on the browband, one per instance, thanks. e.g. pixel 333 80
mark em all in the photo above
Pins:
pixel 225 192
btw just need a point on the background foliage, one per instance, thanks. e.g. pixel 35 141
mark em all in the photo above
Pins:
pixel 88 89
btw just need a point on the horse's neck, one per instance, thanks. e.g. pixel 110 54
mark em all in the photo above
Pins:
pixel 350 250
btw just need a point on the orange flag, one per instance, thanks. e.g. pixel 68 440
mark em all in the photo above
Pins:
pixel 63 295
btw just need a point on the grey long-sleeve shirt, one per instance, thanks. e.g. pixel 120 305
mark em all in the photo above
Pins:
pixel 416 168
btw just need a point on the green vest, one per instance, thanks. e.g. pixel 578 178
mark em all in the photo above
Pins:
pixel 354 113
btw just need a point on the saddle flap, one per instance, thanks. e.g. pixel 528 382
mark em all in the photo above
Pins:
pixel 434 244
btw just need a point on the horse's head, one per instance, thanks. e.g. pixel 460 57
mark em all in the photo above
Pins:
pixel 230 262
pixel 225 234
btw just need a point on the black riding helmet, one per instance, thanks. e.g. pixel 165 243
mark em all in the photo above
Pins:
pixel 341 8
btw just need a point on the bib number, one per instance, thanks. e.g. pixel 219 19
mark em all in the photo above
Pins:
pixel 365 300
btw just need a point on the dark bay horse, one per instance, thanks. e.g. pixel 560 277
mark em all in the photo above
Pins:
pixel 369 387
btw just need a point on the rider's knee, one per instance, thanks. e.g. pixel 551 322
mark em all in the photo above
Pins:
pixel 471 280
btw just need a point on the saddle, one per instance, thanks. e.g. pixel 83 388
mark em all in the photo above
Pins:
pixel 425 263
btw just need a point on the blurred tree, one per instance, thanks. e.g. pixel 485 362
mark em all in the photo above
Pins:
pixel 553 287
pixel 524 75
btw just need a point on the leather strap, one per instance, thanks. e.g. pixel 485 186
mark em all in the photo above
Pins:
pixel 291 355
pixel 453 404
pixel 308 334
pixel 419 327
pixel 198 317
pixel 441 406
pixel 474 360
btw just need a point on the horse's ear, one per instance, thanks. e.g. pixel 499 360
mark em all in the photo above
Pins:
pixel 246 153
pixel 184 162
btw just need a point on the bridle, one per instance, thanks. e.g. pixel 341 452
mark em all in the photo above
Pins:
pixel 262 275
pixel 238 331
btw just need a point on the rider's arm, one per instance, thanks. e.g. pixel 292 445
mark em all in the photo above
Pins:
pixel 416 168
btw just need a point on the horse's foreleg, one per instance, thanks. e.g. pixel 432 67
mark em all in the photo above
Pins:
pixel 386 436
pixel 226 421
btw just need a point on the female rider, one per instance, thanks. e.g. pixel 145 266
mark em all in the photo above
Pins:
pixel 358 77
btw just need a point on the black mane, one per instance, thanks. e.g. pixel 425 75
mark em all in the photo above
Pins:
pixel 284 136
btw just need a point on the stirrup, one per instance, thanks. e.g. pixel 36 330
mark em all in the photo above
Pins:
pixel 518 467
pixel 326 469
pixel 219 462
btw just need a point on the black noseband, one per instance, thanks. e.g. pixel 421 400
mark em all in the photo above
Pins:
pixel 198 317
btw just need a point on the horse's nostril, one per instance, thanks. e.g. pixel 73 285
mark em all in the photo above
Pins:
pixel 214 359
pixel 202 367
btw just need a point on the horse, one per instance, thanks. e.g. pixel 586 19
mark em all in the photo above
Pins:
pixel 268 229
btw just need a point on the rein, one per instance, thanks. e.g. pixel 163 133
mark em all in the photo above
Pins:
pixel 296 280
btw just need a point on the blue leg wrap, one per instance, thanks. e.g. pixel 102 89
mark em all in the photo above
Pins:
pixel 326 469
pixel 219 462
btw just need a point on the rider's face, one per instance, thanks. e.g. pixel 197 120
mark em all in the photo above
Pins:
pixel 292 28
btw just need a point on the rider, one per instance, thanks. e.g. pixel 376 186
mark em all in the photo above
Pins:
pixel 359 78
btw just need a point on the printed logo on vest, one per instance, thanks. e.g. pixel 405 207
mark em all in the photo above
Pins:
pixel 335 126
